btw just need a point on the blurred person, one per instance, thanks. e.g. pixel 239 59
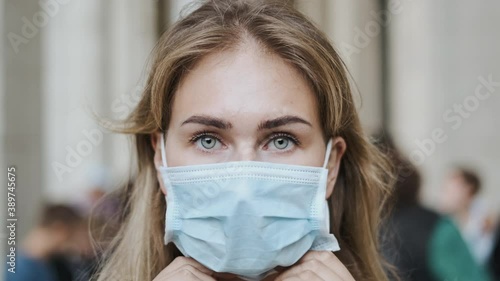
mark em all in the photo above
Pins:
pixel 494 262
pixel 248 103
pixel 82 257
pixel 103 213
pixel 460 200
pixel 39 256
pixel 423 245
pixel 97 202
pixel 97 184
pixel 108 212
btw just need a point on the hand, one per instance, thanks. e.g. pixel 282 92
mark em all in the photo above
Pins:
pixel 317 266
pixel 185 269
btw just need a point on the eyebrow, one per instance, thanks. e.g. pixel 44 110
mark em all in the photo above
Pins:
pixel 224 125
pixel 282 121
pixel 208 121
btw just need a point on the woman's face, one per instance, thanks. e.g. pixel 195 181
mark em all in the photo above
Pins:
pixel 246 105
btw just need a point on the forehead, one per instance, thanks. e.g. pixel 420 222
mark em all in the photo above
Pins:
pixel 245 82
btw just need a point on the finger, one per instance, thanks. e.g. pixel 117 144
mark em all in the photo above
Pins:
pixel 320 255
pixel 181 261
pixel 329 260
pixel 189 273
pixel 186 273
pixel 292 278
pixel 306 275
pixel 188 270
pixel 320 269
pixel 309 270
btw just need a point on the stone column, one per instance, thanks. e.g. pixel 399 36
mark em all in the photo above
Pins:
pixel 21 112
pixel 355 30
pixel 95 55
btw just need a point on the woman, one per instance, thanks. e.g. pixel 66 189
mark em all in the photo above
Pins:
pixel 245 101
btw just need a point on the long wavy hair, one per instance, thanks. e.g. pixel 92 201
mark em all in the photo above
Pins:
pixel 137 252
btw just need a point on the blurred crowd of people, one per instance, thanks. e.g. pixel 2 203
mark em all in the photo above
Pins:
pixel 457 241
pixel 62 245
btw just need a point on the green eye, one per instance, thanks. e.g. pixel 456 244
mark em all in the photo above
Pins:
pixel 208 142
pixel 281 143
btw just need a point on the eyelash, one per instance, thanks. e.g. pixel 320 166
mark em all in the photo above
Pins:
pixel 285 135
pixel 272 136
pixel 201 134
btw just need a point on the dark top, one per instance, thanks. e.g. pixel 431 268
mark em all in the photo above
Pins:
pixel 30 269
pixel 412 230
pixel 427 247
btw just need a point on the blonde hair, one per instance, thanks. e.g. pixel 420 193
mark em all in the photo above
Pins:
pixel 137 252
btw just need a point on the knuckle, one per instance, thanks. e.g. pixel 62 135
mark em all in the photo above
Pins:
pixel 313 265
pixel 189 267
pixel 181 259
pixel 186 272
pixel 308 274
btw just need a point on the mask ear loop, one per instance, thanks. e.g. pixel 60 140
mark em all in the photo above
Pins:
pixel 327 153
pixel 326 208
pixel 163 154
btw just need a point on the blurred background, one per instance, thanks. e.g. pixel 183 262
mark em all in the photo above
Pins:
pixel 428 74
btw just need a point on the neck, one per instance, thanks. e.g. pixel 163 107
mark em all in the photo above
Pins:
pixel 462 217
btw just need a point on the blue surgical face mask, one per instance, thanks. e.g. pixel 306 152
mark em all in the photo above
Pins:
pixel 247 217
